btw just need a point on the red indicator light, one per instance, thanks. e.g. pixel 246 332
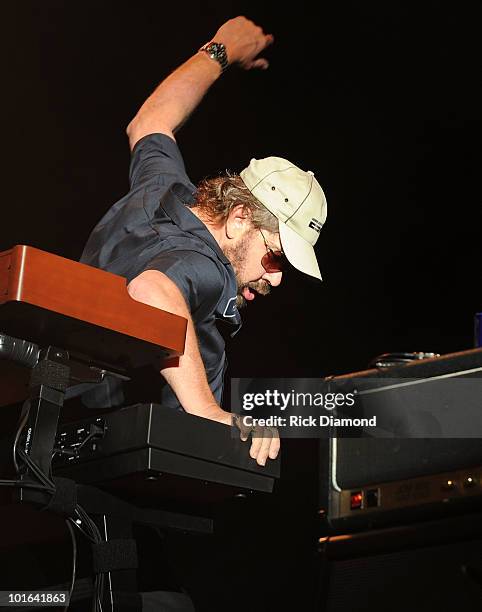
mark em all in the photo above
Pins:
pixel 356 500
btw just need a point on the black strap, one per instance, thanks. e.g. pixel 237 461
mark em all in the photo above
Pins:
pixel 50 373
pixel 114 555
pixel 64 500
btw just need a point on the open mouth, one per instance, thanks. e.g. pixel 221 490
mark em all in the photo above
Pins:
pixel 251 290
pixel 248 293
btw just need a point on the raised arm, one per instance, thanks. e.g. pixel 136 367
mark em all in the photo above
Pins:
pixel 177 96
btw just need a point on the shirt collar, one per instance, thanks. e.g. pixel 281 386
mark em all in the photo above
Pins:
pixel 184 218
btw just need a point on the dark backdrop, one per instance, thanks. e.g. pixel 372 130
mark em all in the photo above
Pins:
pixel 381 100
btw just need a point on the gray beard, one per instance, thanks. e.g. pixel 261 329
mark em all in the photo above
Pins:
pixel 237 256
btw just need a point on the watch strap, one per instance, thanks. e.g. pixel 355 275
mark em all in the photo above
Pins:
pixel 217 52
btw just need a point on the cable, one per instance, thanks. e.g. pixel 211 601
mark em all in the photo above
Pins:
pixel 22 421
pixel 78 526
pixel 92 532
pixel 85 518
pixel 95 537
pixel 20 483
pixel 99 589
pixel 89 437
pixel 35 469
pixel 74 561
pixel 74 452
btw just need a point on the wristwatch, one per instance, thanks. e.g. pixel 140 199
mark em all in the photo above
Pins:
pixel 217 51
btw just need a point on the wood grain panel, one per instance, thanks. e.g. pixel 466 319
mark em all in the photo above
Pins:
pixel 51 300
pixel 76 290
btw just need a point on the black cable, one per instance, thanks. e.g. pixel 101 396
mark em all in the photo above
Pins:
pixel 74 561
pixel 74 452
pixel 85 518
pixel 35 469
pixel 93 535
pixel 32 485
pixel 89 437
pixel 22 421
pixel 99 589
pixel 79 527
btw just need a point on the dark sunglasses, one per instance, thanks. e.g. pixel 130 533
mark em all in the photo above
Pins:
pixel 272 261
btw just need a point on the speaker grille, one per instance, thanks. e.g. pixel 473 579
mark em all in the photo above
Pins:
pixel 436 578
pixel 369 461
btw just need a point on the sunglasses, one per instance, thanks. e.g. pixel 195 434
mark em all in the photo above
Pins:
pixel 272 261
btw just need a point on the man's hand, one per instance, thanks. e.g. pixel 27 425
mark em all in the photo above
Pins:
pixel 178 95
pixel 265 442
pixel 244 40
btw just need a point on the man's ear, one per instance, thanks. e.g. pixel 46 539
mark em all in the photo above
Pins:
pixel 238 221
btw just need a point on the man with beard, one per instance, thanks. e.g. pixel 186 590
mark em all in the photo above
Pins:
pixel 203 252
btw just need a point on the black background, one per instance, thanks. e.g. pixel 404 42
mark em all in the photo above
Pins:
pixel 381 100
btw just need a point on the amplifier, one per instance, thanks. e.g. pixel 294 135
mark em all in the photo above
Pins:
pixel 431 565
pixel 367 482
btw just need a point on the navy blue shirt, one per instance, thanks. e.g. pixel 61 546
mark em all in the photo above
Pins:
pixel 152 228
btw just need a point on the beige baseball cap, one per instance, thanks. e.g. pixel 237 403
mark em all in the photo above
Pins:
pixel 297 200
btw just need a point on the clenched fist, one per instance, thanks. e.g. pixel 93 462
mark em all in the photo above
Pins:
pixel 244 41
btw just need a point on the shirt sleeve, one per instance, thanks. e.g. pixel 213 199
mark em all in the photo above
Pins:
pixel 196 275
pixel 156 155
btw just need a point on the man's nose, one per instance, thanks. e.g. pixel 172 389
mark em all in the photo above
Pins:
pixel 273 278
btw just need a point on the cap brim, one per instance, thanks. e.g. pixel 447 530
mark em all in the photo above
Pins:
pixel 299 252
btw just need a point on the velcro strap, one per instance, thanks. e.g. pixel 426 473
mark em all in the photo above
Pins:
pixel 64 500
pixel 114 555
pixel 50 373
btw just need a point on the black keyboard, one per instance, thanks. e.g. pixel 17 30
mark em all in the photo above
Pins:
pixel 147 451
